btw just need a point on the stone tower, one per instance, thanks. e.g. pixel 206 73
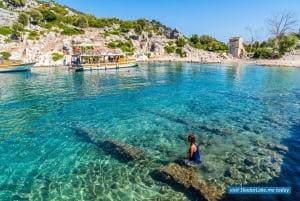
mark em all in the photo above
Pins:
pixel 236 48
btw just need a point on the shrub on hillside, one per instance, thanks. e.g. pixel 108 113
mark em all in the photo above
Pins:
pixel 8 40
pixel 138 29
pixel 91 20
pixel 1 4
pixel 127 47
pixel 207 43
pixel 263 53
pixel 46 25
pixel 169 49
pixel 180 42
pixel 17 3
pixel 170 42
pixel 286 43
pixel 5 30
pixel 180 52
pixel 71 31
pixel 127 25
pixel 57 56
pixel 124 46
pixel 142 23
pixel 60 10
pixel 112 45
pixel 49 16
pixel 23 19
pixel 5 55
pixel 68 19
pixel 35 15
pixel 17 28
pixel 81 22
pixel 33 35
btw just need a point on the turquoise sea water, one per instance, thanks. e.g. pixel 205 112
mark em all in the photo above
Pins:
pixel 246 120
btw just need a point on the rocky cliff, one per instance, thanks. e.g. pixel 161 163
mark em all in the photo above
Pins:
pixel 7 18
pixel 145 44
pixel 41 50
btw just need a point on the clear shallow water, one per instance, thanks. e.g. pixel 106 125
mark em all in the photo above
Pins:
pixel 246 119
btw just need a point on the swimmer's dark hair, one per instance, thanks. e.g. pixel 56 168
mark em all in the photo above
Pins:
pixel 192 138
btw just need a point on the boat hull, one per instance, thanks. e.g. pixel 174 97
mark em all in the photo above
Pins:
pixel 15 67
pixel 104 66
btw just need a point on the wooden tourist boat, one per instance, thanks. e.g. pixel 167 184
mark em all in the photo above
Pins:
pixel 89 58
pixel 15 66
pixel 100 61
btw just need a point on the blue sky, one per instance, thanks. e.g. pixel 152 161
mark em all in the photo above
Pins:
pixel 220 19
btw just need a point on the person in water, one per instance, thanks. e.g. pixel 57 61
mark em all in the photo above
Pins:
pixel 193 157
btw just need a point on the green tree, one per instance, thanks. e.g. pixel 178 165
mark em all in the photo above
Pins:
pixel 23 19
pixel 138 29
pixel 5 55
pixel 286 43
pixel 17 28
pixel 81 22
pixel 195 42
pixel 255 44
pixel 124 46
pixel 281 24
pixel 70 31
pixel 142 22
pixel 103 22
pixel 91 20
pixel 115 20
pixel 205 39
pixel 127 25
pixel 180 42
pixel 169 49
pixel 263 53
pixel 195 39
pixel 33 35
pixel 180 52
pixel 57 56
pixel 68 19
pixel 60 10
pixel 208 43
pixel 49 16
pixel 35 15
pixel 5 30
pixel 1 4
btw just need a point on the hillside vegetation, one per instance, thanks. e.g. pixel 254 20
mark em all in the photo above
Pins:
pixel 37 21
pixel 37 18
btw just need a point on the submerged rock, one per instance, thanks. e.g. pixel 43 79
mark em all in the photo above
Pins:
pixel 250 161
pixel 279 148
pixel 122 149
pixel 234 173
pixel 185 179
pixel 114 147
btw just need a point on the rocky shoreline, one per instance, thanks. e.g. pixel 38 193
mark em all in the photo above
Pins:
pixel 151 50
pixel 236 62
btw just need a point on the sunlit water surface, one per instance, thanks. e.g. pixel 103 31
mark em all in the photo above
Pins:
pixel 246 119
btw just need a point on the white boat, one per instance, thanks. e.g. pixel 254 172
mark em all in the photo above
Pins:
pixel 15 66
pixel 101 61
pixel 89 57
